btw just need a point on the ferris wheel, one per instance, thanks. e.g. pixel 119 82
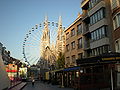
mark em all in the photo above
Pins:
pixel 32 41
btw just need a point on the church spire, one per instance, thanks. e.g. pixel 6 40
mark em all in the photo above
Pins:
pixel 46 18
pixel 46 22
pixel 60 22
pixel 46 33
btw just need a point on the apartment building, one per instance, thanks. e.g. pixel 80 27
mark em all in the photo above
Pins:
pixel 74 42
pixel 97 23
pixel 89 41
pixel 115 7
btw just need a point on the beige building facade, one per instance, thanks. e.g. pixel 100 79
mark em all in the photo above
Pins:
pixel 96 27
pixel 73 42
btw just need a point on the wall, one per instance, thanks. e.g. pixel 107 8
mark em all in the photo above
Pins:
pixel 4 80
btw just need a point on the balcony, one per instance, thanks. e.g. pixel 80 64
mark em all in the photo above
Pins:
pixel 115 4
pixel 87 45
pixel 115 7
pixel 85 4
pixel 85 15
pixel 85 29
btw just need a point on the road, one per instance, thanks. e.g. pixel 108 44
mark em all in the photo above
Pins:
pixel 43 86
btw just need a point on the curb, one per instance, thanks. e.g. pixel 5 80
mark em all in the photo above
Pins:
pixel 14 86
pixel 19 86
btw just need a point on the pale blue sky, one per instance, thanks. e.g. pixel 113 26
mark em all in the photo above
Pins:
pixel 18 16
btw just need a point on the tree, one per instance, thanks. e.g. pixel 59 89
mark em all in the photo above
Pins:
pixel 60 61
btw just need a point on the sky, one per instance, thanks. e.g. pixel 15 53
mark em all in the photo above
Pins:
pixel 18 16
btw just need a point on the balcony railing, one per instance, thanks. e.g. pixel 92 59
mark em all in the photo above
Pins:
pixel 115 4
pixel 87 44
pixel 85 14
pixel 85 29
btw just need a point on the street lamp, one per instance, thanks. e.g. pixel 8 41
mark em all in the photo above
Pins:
pixel 81 71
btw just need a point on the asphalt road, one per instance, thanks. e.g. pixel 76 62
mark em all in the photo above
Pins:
pixel 43 86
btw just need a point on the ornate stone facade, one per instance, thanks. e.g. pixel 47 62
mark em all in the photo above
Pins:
pixel 60 42
pixel 50 51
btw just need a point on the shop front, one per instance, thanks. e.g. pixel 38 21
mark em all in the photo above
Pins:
pixel 94 73
pixel 97 73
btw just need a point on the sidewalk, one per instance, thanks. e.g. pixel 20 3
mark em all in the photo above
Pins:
pixel 19 86
pixel 15 83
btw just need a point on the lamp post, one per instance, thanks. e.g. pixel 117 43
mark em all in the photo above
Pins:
pixel 62 82
pixel 112 88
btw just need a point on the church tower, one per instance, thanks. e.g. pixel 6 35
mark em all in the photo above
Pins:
pixel 45 39
pixel 60 37
pixel 46 33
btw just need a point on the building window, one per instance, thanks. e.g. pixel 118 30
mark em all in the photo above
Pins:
pixel 117 46
pixel 79 29
pixel 80 55
pixel 115 3
pixel 100 50
pixel 72 32
pixel 106 49
pixel 73 45
pixel 79 43
pixel 67 35
pixel 99 33
pixel 92 37
pixel 94 33
pixel 67 60
pixel 73 59
pixel 92 3
pixel 67 47
pixel 116 21
pixel 100 14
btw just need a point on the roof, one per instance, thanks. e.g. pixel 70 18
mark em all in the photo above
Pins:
pixel 77 19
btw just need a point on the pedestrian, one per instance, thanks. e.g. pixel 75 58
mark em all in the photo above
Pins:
pixel 33 81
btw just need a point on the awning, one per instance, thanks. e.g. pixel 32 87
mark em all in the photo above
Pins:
pixel 104 58
pixel 56 70
pixel 72 68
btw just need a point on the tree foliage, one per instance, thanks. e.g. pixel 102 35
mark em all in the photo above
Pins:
pixel 60 61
